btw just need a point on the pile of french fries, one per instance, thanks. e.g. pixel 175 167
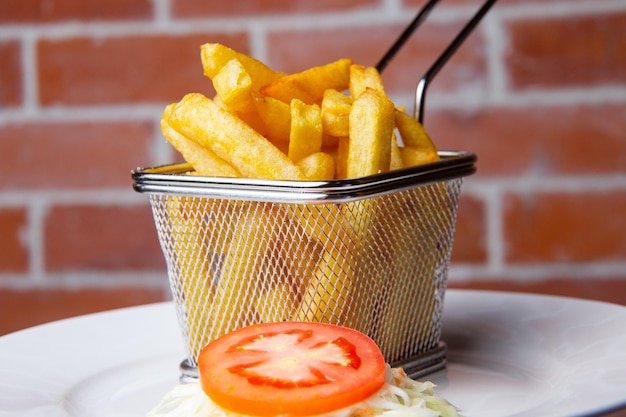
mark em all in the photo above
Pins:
pixel 333 121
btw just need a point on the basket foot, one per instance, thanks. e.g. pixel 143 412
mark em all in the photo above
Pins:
pixel 425 363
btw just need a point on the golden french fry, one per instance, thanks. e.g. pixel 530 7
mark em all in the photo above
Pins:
pixel 252 119
pixel 275 303
pixel 215 56
pixel 309 85
pixel 202 159
pixel 234 90
pixel 413 133
pixel 341 159
pixel 295 250
pixel 241 279
pixel 329 143
pixel 324 298
pixel 362 77
pixel 276 116
pixel 369 152
pixel 306 130
pixel 336 113
pixel 318 166
pixel 233 85
pixel 371 130
pixel 417 257
pixel 411 156
pixel 322 222
pixel 193 265
pixel 371 286
pixel 197 117
pixel 396 161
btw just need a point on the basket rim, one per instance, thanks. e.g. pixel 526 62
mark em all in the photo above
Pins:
pixel 172 179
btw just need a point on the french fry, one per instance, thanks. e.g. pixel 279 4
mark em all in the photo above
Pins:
pixel 197 117
pixel 235 94
pixel 214 56
pixel 318 221
pixel 233 85
pixel 275 303
pixel 362 77
pixel 195 275
pixel 396 161
pixel 371 130
pixel 336 113
pixel 318 166
pixel 276 116
pixel 203 160
pixel 295 250
pixel 305 136
pixel 241 278
pixel 341 159
pixel 324 297
pixel 413 156
pixel 309 85
pixel 369 152
pixel 372 285
pixel 414 135
pixel 252 119
pixel 330 143
pixel 412 287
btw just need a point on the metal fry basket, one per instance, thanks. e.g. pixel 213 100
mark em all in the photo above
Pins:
pixel 371 253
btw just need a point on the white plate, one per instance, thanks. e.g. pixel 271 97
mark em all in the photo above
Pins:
pixel 509 355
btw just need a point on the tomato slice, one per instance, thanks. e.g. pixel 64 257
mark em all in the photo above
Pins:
pixel 291 368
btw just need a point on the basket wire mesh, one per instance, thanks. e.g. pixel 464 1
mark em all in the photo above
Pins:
pixel 374 260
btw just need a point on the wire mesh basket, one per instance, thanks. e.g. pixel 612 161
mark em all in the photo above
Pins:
pixel 371 254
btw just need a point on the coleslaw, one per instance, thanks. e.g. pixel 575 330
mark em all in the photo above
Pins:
pixel 400 396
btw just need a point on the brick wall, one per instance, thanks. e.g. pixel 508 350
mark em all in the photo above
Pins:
pixel 538 92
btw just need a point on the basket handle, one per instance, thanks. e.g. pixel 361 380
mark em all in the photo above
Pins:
pixel 420 93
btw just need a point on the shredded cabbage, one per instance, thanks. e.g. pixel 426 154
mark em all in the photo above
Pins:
pixel 399 397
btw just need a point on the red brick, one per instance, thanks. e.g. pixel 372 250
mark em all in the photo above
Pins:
pixel 73 155
pixel 10 74
pixel 107 238
pixel 562 52
pixel 14 252
pixel 470 234
pixel 125 69
pixel 215 8
pixel 565 227
pixel 40 11
pixel 611 290
pixel 20 309
pixel 582 139
pixel 297 50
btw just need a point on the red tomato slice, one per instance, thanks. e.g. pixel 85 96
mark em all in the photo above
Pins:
pixel 291 368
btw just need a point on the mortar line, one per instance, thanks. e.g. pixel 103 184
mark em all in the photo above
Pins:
pixel 495 46
pixel 560 9
pixel 495 236
pixel 30 84
pixel 162 12
pixel 36 215
pixel 539 272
